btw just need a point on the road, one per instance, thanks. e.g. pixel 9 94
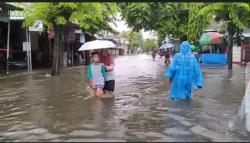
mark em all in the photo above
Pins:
pixel 39 108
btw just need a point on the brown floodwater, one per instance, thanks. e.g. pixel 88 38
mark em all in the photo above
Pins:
pixel 39 108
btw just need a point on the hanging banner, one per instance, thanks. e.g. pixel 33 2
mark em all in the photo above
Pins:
pixel 38 26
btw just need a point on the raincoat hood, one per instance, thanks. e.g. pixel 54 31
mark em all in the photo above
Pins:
pixel 185 47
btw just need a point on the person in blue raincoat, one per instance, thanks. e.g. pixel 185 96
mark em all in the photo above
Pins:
pixel 184 73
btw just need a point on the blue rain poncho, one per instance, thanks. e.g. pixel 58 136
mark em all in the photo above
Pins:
pixel 185 73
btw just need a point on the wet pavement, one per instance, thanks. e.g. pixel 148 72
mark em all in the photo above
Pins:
pixel 39 108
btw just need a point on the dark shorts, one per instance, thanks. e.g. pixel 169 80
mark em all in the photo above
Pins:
pixel 109 85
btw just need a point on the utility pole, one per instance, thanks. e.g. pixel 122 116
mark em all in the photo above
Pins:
pixel 230 45
pixel 30 59
pixel 8 45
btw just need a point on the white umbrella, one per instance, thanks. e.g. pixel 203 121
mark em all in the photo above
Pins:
pixel 97 44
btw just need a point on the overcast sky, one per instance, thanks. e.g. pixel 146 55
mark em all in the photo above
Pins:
pixel 122 26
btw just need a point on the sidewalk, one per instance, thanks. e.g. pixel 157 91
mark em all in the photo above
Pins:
pixel 16 74
pixel 242 121
pixel 37 71
pixel 247 97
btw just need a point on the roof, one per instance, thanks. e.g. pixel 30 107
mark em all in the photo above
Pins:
pixel 12 6
pixel 18 6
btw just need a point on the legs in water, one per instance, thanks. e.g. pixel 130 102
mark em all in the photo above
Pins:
pixel 109 87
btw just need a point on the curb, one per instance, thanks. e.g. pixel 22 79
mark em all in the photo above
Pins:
pixel 247 98
pixel 247 108
pixel 242 120
pixel 15 75
pixel 37 71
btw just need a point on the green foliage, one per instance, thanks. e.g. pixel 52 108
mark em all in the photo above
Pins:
pixel 238 14
pixel 199 19
pixel 125 34
pixel 135 40
pixel 91 17
pixel 137 15
pixel 163 18
pixel 183 19
pixel 149 44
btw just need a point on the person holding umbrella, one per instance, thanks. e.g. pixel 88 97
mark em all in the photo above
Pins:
pixel 98 73
pixel 108 61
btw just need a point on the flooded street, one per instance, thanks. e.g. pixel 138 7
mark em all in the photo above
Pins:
pixel 39 108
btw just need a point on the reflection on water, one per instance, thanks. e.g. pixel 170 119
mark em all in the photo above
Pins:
pixel 38 108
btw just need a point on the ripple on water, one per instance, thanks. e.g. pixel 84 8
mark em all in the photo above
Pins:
pixel 181 120
pixel 94 140
pixel 15 114
pixel 88 126
pixel 116 135
pixel 27 134
pixel 177 132
pixel 84 133
pixel 21 126
pixel 153 136
pixel 213 135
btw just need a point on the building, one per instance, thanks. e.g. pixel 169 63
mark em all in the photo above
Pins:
pixel 12 35
pixel 115 38
pixel 245 45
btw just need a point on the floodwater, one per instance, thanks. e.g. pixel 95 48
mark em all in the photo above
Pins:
pixel 39 108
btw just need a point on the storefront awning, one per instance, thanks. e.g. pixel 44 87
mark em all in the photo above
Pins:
pixel 15 6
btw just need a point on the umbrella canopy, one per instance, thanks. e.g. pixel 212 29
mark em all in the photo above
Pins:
pixel 166 46
pixel 210 38
pixel 97 44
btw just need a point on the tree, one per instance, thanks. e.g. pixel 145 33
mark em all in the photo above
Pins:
pixel 163 18
pixel 235 16
pixel 125 34
pixel 198 20
pixel 91 18
pixel 149 44
pixel 135 40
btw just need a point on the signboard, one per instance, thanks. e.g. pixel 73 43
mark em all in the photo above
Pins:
pixel 26 46
pixel 38 26
pixel 78 31
pixel 16 15
pixel 82 38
